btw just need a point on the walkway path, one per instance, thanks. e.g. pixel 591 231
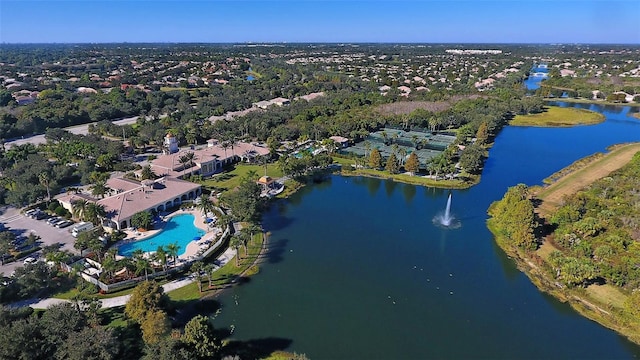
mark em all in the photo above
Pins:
pixel 223 259
pixel 552 195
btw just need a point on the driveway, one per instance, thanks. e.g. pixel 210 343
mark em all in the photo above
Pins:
pixel 24 225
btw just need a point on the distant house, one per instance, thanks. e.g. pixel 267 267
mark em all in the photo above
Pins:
pixel 341 141
pixel 277 101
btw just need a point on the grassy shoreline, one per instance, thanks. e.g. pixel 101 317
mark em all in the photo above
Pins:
pixel 556 116
pixel 347 170
pixel 589 101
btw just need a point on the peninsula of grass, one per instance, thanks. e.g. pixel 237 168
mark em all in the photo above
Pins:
pixel 555 116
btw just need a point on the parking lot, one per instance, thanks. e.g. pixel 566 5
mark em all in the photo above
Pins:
pixel 23 225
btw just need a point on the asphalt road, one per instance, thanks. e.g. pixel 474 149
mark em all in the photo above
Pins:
pixel 78 130
pixel 24 225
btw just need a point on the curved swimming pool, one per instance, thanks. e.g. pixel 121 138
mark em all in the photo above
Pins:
pixel 178 229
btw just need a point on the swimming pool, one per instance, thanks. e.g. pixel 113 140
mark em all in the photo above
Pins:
pixel 178 229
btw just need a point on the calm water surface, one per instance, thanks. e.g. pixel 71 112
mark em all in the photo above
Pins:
pixel 357 269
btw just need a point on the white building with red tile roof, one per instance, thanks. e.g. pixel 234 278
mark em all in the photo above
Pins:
pixel 130 197
pixel 208 160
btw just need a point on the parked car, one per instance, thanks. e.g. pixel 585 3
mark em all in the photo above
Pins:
pixel 30 260
pixel 31 212
pixel 64 224
pixel 57 221
pixel 40 215
pixel 53 219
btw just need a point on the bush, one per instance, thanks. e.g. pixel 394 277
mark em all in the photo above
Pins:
pixel 53 205
pixel 61 211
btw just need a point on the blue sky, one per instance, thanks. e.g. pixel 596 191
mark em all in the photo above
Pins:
pixel 427 21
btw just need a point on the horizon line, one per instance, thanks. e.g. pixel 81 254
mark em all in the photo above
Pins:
pixel 314 42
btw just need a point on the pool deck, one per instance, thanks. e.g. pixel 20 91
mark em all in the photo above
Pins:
pixel 194 246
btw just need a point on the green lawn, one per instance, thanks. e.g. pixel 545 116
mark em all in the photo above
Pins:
pixel 231 179
pixel 223 276
pixel 559 117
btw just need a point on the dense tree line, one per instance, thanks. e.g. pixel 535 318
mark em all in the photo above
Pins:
pixel 597 231
pixel 513 220
pixel 31 173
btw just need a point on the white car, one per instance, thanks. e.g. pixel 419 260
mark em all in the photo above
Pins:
pixel 30 260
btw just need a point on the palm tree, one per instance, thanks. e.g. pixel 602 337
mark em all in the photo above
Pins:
pixel 45 180
pixel 161 256
pixel 367 148
pixel 95 213
pixel 210 269
pixel 141 264
pixel 128 265
pixel 190 157
pixel 402 152
pixel 244 236
pixel 196 270
pixel 79 208
pixel 414 140
pixel 109 265
pixel 225 145
pixel 172 250
pixel 147 173
pixel 236 243
pixel 183 160
pixel 253 229
pixel 99 188
pixel 205 205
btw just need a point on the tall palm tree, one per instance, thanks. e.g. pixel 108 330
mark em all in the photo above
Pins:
pixel 402 154
pixel 79 208
pixel 210 269
pixel 161 256
pixel 109 265
pixel 205 205
pixel 225 145
pixel 253 229
pixel 95 213
pixel 142 265
pixel 99 188
pixel 196 270
pixel 45 179
pixel 147 173
pixel 183 160
pixel 245 237
pixel 190 157
pixel 236 243
pixel 367 147
pixel 172 250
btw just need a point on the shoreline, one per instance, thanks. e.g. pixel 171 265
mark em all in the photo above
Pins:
pixel 587 101
pixel 534 264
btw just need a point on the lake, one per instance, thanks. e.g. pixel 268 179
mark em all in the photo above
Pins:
pixel 357 268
